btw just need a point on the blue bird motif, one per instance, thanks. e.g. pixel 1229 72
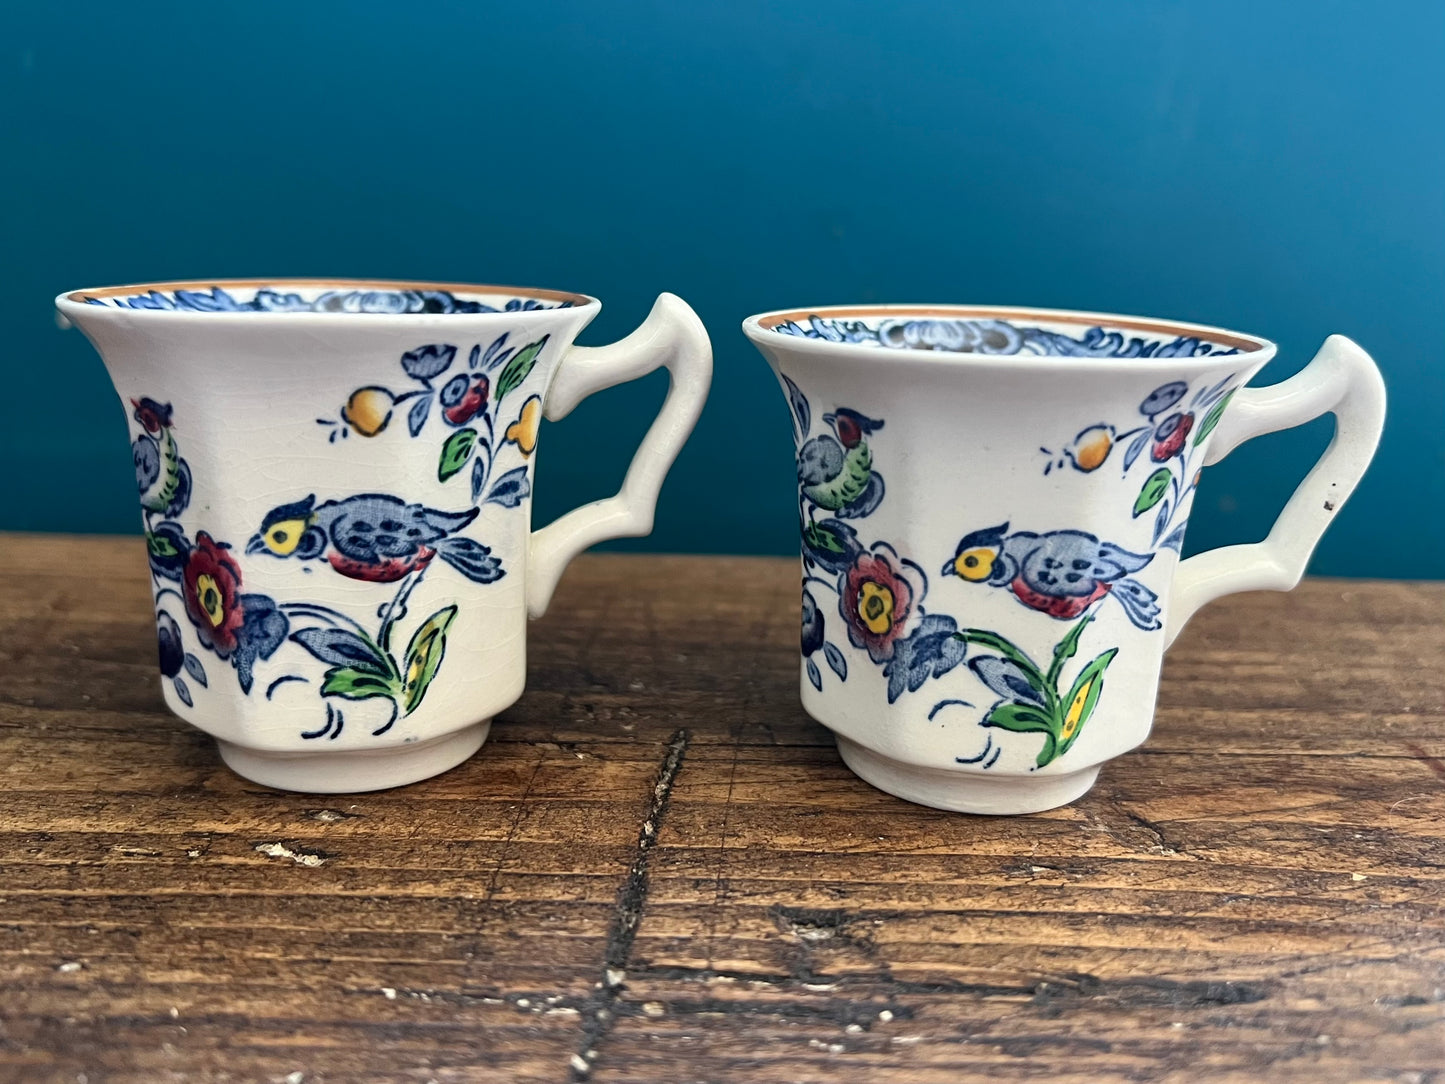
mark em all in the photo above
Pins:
pixel 374 537
pixel 1061 573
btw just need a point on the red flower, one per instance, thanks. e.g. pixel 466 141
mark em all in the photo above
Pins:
pixel 1169 437
pixel 212 582
pixel 464 397
pixel 875 601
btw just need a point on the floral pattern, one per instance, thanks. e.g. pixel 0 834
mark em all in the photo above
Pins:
pixel 1173 435
pixel 467 402
pixel 372 537
pixel 996 337
pixel 388 302
pixel 1064 575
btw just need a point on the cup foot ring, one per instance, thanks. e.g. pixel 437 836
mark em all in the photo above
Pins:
pixel 355 770
pixel 965 792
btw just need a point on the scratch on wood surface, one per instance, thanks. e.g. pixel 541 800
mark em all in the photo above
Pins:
pixel 300 855
pixel 598 1013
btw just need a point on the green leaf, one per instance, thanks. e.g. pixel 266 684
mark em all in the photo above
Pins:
pixel 1066 649
pixel 424 656
pixel 1155 486
pixel 517 369
pixel 356 684
pixel 160 546
pixel 822 539
pixel 1212 419
pixel 1083 695
pixel 1020 718
pixel 455 453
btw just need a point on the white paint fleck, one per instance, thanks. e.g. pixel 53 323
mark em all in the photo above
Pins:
pixel 636 687
pixel 654 1008
pixel 69 966
pixel 523 1003
pixel 614 976
pixel 579 1063
pixel 1357 877
pixel 295 1078
pixel 389 992
pixel 280 850
pixel 886 1015
pixel 562 1010
pixel 907 1040
pixel 175 1013
pixel 853 1029
pixel 193 854
pixel 817 986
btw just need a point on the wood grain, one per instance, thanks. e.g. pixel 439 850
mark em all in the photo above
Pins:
pixel 658 870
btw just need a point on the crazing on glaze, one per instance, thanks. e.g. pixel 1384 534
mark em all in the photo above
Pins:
pixel 371 537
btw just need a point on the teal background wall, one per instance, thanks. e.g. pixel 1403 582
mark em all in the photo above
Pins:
pixel 1266 165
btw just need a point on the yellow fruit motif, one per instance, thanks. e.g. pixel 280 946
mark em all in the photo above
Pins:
pixel 523 431
pixel 1092 447
pixel 368 410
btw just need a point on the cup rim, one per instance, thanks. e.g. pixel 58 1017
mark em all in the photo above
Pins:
pixel 80 298
pixel 760 329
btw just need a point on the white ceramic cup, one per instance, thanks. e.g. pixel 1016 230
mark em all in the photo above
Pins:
pixel 993 503
pixel 336 481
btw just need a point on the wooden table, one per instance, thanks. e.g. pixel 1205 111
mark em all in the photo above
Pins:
pixel 658 869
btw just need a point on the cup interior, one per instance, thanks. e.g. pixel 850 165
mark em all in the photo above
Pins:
pixel 326 295
pixel 991 331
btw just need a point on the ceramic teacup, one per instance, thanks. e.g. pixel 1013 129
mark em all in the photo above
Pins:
pixel 335 479
pixel 993 503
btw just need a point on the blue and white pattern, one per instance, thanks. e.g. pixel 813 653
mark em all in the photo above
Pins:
pixel 389 302
pixel 1000 337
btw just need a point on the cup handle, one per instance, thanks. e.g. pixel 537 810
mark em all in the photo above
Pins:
pixel 671 336
pixel 1342 380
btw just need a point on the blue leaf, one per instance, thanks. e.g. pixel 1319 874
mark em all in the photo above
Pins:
pixel 417 416
pixel 341 647
pixel 182 691
pixel 1140 443
pixel 475 357
pixel 480 467
pixel 802 413
pixel 1007 679
pixel 1161 521
pixel 197 672
pixel 931 650
pixel 1175 541
pixel 836 661
pixel 428 361
pixel 814 676
pixel 495 355
pixel 511 489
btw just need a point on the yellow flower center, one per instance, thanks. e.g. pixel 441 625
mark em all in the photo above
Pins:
pixel 209 597
pixel 1076 710
pixel 875 607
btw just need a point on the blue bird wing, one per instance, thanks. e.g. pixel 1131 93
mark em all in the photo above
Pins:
pixel 1115 561
pixel 147 455
pixel 1140 603
pixel 472 559
pixel 820 460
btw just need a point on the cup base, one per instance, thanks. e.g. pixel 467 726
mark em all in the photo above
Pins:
pixel 964 792
pixel 355 770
